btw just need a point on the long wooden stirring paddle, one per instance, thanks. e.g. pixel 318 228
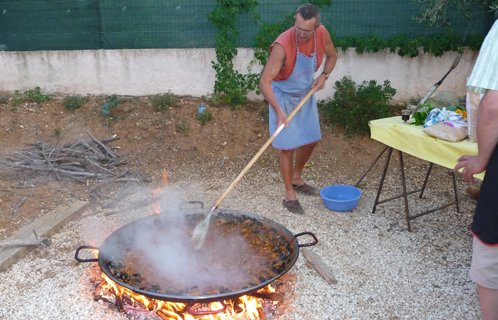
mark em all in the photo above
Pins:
pixel 201 230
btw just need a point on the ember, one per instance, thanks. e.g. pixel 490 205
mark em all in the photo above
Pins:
pixel 136 306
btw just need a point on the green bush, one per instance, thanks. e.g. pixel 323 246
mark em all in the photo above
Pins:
pixel 74 102
pixel 353 106
pixel 183 127
pixel 205 117
pixel 36 95
pixel 161 102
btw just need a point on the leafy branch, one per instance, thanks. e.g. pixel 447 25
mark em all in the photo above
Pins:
pixel 230 86
pixel 434 13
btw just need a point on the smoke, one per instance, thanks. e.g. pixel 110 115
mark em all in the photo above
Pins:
pixel 171 262
pixel 161 248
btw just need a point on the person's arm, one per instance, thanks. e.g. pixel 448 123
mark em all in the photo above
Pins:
pixel 331 59
pixel 487 137
pixel 273 66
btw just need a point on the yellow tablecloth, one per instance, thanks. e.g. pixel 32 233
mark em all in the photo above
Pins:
pixel 410 139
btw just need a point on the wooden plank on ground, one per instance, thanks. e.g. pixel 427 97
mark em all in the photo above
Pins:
pixel 291 275
pixel 315 262
pixel 44 226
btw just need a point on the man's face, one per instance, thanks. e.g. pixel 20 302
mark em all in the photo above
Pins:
pixel 304 28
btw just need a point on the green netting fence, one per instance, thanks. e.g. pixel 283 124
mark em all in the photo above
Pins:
pixel 28 25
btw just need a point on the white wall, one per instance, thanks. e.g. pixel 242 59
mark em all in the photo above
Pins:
pixel 190 72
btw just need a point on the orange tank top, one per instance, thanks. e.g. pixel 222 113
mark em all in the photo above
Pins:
pixel 288 40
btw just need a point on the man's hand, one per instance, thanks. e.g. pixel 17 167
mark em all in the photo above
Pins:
pixel 319 83
pixel 471 165
pixel 281 118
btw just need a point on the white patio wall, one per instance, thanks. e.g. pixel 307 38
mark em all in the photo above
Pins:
pixel 190 72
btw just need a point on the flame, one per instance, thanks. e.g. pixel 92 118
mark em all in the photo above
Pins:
pixel 248 305
pixel 157 207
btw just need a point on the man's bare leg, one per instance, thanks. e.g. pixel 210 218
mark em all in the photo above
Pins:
pixel 303 154
pixel 488 299
pixel 286 165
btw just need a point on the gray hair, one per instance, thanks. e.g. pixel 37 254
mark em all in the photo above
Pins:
pixel 309 11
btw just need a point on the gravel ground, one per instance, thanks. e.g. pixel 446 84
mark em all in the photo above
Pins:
pixel 383 271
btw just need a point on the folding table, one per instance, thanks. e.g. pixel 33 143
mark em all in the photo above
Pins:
pixel 408 138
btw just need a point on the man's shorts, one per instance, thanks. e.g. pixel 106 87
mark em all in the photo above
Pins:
pixel 484 267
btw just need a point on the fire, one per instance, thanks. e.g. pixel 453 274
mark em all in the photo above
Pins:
pixel 248 307
pixel 157 207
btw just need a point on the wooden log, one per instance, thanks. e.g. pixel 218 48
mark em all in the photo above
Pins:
pixel 165 316
pixel 43 242
pixel 319 265
pixel 291 275
pixel 273 296
pixel 261 314
pixel 51 166
pixel 103 146
pixel 119 302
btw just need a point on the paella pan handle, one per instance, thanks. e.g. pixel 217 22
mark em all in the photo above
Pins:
pixel 183 204
pixel 306 244
pixel 203 313
pixel 85 260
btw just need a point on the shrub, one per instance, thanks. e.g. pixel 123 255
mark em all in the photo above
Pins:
pixel 205 117
pixel 183 127
pixel 74 102
pixel 264 111
pixel 36 95
pixel 353 106
pixel 161 102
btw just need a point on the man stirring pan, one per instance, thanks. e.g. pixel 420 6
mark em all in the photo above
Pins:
pixel 484 267
pixel 287 77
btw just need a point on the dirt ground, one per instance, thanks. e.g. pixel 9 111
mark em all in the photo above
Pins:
pixel 173 141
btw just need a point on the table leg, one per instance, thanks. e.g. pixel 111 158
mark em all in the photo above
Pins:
pixel 456 192
pixel 383 178
pixel 405 196
pixel 371 166
pixel 425 181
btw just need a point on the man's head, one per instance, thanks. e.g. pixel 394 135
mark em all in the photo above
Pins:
pixel 307 19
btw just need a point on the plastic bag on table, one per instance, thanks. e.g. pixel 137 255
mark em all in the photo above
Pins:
pixel 441 115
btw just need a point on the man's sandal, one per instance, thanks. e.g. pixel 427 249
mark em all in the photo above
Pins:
pixel 305 188
pixel 293 206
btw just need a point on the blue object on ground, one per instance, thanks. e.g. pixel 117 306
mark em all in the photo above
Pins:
pixel 340 197
pixel 105 108
pixel 202 108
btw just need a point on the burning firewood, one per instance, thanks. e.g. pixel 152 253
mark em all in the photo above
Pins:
pixel 273 296
pixel 261 314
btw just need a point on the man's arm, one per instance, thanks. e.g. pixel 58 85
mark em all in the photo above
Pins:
pixel 487 137
pixel 331 59
pixel 272 68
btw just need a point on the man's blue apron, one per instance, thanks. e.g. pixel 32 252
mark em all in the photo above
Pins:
pixel 304 127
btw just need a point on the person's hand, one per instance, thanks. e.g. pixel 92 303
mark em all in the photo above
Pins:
pixel 281 118
pixel 471 165
pixel 319 83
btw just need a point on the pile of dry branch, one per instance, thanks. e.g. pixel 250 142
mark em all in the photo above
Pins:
pixel 79 161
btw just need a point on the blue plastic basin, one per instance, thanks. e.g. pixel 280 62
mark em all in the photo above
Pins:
pixel 340 197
